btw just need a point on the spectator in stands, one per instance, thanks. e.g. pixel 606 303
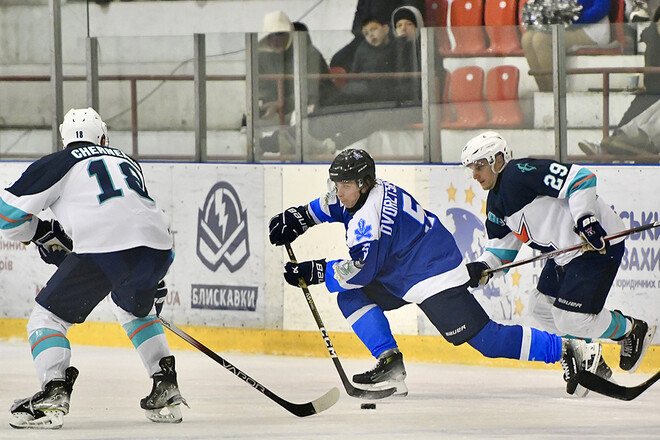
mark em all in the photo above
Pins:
pixel 276 57
pixel 375 54
pixel 404 109
pixel 368 8
pixel 407 22
pixel 638 131
pixel 591 29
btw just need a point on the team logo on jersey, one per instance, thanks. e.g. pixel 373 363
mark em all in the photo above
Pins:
pixel 524 167
pixel 363 230
pixel 222 231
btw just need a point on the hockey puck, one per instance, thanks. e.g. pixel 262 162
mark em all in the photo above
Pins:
pixel 368 406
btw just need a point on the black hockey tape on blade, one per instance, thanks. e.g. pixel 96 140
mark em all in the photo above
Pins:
pixel 368 406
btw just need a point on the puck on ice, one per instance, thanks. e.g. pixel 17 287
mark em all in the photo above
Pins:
pixel 368 406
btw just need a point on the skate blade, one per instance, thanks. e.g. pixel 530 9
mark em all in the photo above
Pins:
pixel 401 388
pixel 168 414
pixel 647 341
pixel 52 419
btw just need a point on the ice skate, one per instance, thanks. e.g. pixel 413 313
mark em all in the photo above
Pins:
pixel 603 370
pixel 578 355
pixel 162 404
pixel 47 408
pixel 634 344
pixel 389 372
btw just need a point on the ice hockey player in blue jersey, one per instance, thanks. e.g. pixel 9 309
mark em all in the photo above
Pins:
pixel 402 254
pixel 549 205
pixel 119 242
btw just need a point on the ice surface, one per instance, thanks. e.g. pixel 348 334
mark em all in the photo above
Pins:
pixel 445 401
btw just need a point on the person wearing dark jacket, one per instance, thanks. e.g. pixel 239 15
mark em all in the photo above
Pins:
pixel 369 8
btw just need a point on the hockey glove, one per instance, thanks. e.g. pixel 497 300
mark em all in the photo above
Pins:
pixel 313 272
pixel 53 243
pixel 287 226
pixel 478 274
pixel 159 296
pixel 592 232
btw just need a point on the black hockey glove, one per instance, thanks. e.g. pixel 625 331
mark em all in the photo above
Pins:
pixel 53 243
pixel 159 296
pixel 592 232
pixel 287 226
pixel 313 272
pixel 478 274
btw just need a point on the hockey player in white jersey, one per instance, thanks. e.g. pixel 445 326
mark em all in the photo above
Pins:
pixel 549 205
pixel 402 254
pixel 119 242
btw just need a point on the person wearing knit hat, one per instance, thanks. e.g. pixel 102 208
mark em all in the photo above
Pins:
pixel 407 20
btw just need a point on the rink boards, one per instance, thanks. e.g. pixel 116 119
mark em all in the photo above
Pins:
pixel 226 283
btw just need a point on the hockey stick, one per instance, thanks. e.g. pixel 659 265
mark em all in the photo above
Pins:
pixel 351 390
pixel 572 248
pixel 300 409
pixel 611 389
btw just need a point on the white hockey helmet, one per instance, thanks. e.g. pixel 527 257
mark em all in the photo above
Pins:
pixel 83 124
pixel 487 146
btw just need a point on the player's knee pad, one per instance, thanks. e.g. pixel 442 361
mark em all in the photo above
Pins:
pixel 350 301
pixel 570 323
pixel 43 318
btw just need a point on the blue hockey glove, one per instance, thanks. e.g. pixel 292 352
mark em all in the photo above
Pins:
pixel 313 272
pixel 478 274
pixel 287 226
pixel 52 242
pixel 592 232
pixel 159 296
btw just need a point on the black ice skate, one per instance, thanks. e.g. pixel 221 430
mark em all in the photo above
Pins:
pixel 634 344
pixel 578 355
pixel 164 395
pixel 389 372
pixel 47 408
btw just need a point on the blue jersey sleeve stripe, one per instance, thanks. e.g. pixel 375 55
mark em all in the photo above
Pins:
pixel 315 206
pixel 11 217
pixel 583 179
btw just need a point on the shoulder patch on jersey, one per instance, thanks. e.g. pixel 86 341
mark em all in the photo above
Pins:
pixel 524 167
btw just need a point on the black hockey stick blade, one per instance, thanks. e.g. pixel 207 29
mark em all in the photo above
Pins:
pixel 611 389
pixel 351 389
pixel 554 253
pixel 299 409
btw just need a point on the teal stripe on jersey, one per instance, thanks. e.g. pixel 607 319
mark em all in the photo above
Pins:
pixel 45 338
pixel 11 217
pixel 506 255
pixel 141 329
pixel 583 179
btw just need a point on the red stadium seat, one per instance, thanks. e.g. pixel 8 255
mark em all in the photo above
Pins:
pixel 500 19
pixel 502 97
pixel 436 16
pixel 466 94
pixel 466 25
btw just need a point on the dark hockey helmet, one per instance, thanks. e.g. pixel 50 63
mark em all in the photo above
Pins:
pixel 353 164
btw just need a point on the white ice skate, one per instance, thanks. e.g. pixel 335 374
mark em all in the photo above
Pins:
pixel 162 405
pixel 47 408
pixel 578 355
